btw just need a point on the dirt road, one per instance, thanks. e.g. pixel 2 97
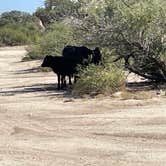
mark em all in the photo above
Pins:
pixel 40 126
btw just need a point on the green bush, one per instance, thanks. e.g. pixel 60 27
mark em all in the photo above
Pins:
pixel 53 41
pixel 34 52
pixel 17 35
pixel 98 79
pixel 11 37
pixel 18 28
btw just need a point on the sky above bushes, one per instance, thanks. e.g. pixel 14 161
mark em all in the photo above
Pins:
pixel 22 5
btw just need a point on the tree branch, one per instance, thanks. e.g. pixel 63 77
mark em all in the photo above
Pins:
pixel 131 69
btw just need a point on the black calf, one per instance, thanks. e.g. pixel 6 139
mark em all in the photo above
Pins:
pixel 61 66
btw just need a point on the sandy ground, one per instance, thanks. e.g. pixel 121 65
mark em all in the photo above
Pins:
pixel 40 126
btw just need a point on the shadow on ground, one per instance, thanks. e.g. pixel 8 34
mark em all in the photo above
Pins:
pixel 145 86
pixel 27 71
pixel 44 89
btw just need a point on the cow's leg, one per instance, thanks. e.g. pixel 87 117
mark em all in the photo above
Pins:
pixel 59 86
pixel 63 82
pixel 70 83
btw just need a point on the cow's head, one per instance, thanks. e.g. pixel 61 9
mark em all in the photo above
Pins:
pixel 47 61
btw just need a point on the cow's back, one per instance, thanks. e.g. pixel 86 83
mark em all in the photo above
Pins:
pixel 78 53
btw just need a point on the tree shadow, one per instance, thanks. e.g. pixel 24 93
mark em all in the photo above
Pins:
pixel 46 90
pixel 27 71
pixel 145 86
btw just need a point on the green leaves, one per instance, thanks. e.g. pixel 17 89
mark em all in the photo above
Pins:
pixel 56 11
pixel 53 41
pixel 15 17
pixel 18 28
pixel 140 29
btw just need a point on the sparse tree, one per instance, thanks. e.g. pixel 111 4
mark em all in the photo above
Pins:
pixel 57 11
pixel 135 31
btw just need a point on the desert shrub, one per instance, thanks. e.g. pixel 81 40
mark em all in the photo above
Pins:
pixel 34 52
pixel 18 28
pixel 17 35
pixel 11 37
pixel 53 41
pixel 98 79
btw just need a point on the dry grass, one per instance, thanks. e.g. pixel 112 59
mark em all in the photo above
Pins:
pixel 142 95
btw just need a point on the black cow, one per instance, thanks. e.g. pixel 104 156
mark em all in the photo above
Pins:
pixel 61 66
pixel 82 54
